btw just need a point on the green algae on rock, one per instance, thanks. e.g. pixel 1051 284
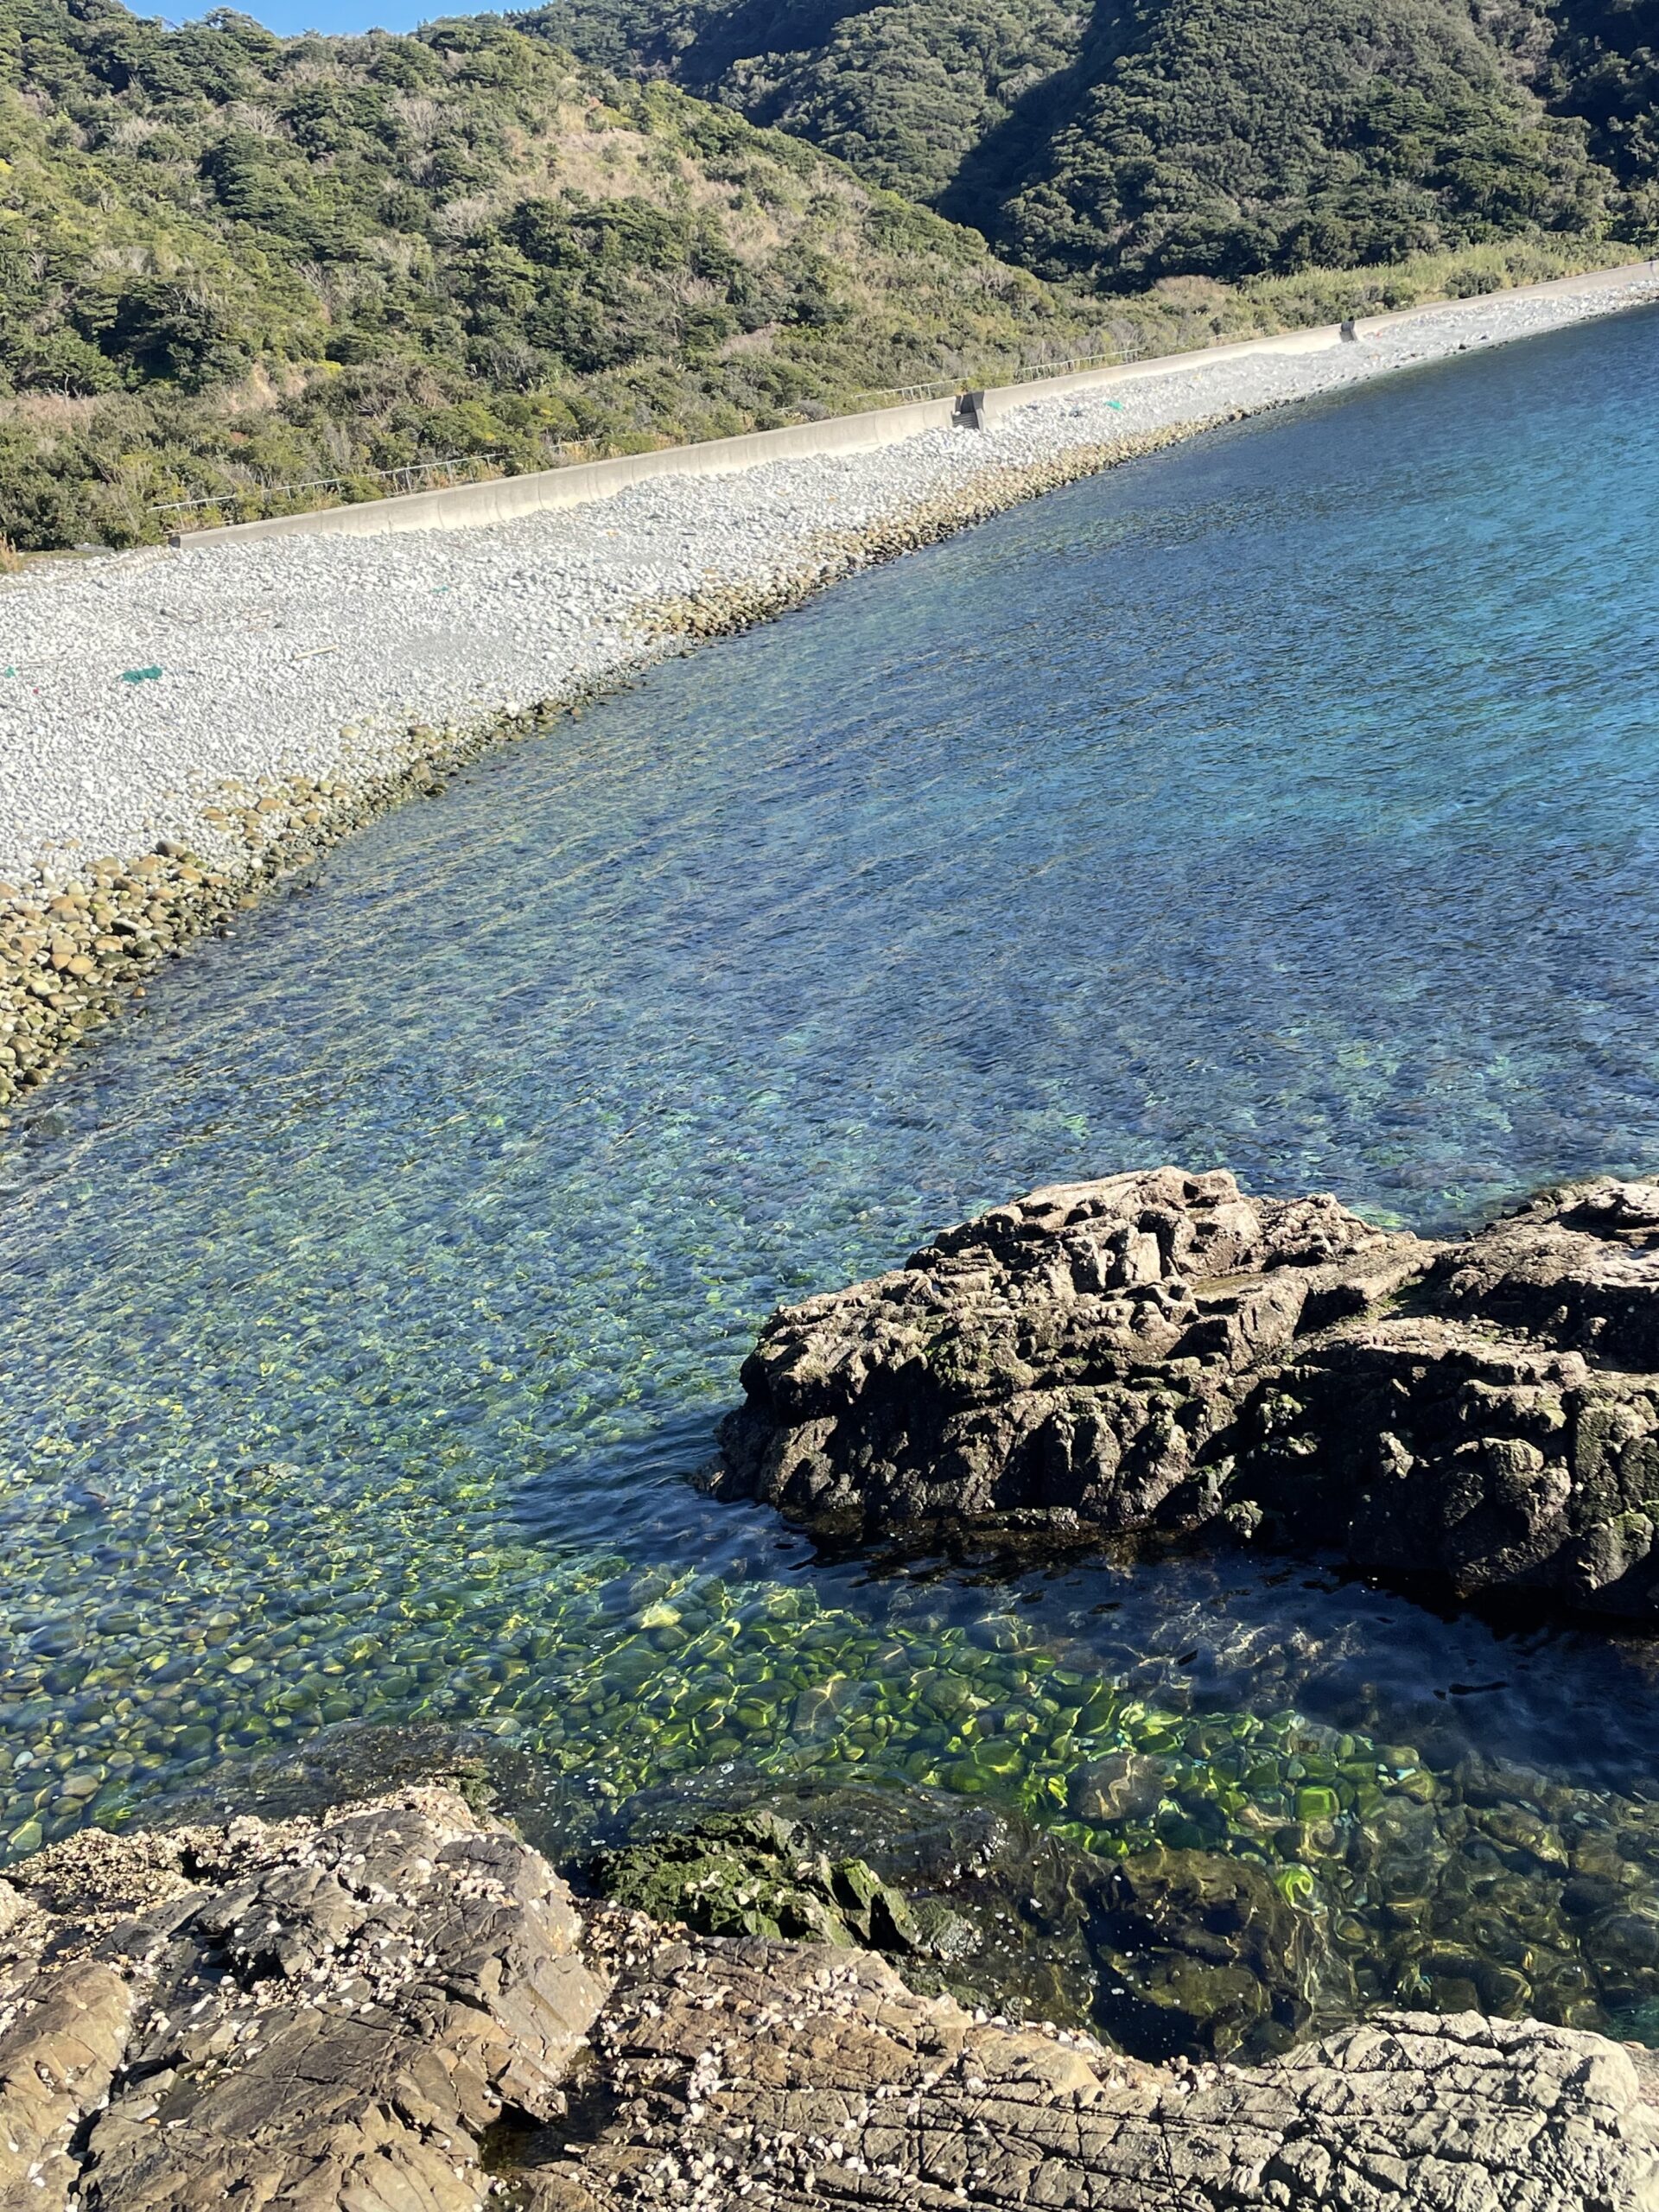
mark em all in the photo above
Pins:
pixel 1201 1954
pixel 564 1674
pixel 571 1682
pixel 1169 1952
pixel 752 1874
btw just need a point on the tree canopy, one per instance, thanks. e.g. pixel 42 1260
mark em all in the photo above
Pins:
pixel 1138 139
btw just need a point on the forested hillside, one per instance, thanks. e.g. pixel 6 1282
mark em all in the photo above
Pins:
pixel 232 263
pixel 1134 139
pixel 229 261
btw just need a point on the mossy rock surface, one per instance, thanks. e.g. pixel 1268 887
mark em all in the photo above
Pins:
pixel 756 1874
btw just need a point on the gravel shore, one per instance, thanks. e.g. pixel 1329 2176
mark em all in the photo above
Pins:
pixel 227 711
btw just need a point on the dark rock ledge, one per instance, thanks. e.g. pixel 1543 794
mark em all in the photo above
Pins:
pixel 1158 1355
pixel 399 2008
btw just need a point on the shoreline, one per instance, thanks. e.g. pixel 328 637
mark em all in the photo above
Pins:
pixel 148 803
pixel 401 2001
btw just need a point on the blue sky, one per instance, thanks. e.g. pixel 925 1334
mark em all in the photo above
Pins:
pixel 290 15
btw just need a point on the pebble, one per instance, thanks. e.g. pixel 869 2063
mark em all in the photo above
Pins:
pixel 305 681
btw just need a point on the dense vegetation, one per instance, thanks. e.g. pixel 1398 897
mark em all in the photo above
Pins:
pixel 1603 66
pixel 232 263
pixel 229 261
pixel 1140 138
pixel 905 91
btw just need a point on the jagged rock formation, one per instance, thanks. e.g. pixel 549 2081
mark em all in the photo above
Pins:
pixel 399 2009
pixel 321 2015
pixel 1155 1355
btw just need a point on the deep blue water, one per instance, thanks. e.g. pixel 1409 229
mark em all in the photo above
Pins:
pixel 1286 802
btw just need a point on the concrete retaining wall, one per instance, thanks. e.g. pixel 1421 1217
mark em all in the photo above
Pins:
pixel 466 507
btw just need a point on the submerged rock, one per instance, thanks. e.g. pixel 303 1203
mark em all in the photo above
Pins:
pixel 1156 1355
pixel 1170 1952
pixel 752 1874
pixel 400 2006
pixel 1202 1955
pixel 1005 1908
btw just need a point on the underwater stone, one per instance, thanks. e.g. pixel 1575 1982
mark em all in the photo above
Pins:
pixel 1201 1956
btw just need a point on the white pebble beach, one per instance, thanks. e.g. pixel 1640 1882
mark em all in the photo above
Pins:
pixel 312 654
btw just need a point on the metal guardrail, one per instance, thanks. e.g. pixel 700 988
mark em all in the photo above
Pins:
pixel 939 388
pixel 1115 357
pixel 404 477
pixel 942 386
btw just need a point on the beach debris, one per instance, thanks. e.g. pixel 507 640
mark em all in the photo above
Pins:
pixel 315 652
pixel 141 676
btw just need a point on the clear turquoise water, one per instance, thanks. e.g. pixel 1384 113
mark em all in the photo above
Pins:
pixel 1286 802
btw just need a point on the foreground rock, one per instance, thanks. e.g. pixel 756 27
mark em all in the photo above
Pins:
pixel 789 2078
pixel 1158 1355
pixel 399 2006
pixel 319 2014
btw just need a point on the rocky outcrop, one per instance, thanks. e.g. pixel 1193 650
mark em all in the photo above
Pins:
pixel 399 2008
pixel 323 2014
pixel 1158 1355
pixel 786 2080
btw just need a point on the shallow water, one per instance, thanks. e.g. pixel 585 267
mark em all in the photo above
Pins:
pixel 1283 802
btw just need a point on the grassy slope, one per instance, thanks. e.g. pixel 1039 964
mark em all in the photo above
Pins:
pixel 226 259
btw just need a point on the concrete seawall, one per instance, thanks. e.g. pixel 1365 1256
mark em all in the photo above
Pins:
pixel 467 506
